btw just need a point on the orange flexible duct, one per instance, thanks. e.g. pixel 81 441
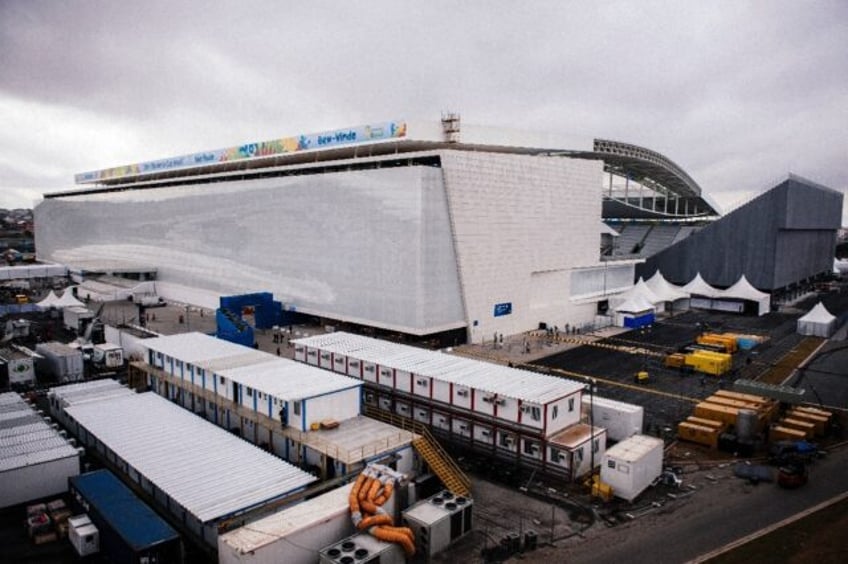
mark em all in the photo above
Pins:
pixel 399 535
pixel 363 491
pixel 388 488
pixel 375 520
pixel 368 506
pixel 374 490
pixel 353 498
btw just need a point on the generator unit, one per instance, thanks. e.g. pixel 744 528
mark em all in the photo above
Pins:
pixel 362 548
pixel 438 522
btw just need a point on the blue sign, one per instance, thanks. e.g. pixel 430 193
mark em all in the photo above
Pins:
pixel 503 309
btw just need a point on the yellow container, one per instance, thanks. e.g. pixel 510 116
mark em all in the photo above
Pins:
pixel 809 429
pixel 711 423
pixel 723 413
pixel 820 422
pixel 698 434
pixel 709 362
pixel 778 433
pixel 742 397
pixel 728 343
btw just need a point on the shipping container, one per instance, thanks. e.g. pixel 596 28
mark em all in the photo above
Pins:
pixel 726 342
pixel 709 362
pixel 632 465
pixel 130 532
pixel 63 363
pixel 621 420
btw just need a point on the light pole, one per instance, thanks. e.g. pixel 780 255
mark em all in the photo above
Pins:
pixel 591 384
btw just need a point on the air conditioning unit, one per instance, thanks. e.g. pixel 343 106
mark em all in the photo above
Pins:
pixel 462 392
pixel 534 449
pixel 508 441
pixel 500 401
pixel 562 457
pixel 421 382
pixel 526 408
pixel 362 548
pixel 438 522
pixel 463 427
pixel 485 433
pixel 488 399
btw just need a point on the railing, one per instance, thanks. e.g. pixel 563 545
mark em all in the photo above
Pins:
pixel 420 429
pixel 346 456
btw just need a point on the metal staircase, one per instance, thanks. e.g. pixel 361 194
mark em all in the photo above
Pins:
pixel 430 450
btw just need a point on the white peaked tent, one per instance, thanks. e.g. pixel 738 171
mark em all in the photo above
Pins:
pixel 817 322
pixel 743 290
pixel 638 290
pixel 698 287
pixel 673 296
pixel 634 312
pixel 67 300
pixel 50 301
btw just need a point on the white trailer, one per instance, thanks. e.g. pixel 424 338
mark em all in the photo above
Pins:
pixel 621 420
pixel 632 465
pixel 61 361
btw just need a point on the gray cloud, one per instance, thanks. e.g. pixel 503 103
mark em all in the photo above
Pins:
pixel 736 93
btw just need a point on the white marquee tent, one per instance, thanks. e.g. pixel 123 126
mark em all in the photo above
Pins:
pixel 50 301
pixel 673 296
pixel 817 322
pixel 743 290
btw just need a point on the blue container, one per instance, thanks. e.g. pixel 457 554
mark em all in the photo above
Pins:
pixel 130 531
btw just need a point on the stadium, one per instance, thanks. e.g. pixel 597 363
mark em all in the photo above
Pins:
pixel 428 229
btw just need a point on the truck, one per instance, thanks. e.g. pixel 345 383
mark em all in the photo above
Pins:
pixel 107 355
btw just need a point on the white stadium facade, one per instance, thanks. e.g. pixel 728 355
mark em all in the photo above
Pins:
pixel 413 228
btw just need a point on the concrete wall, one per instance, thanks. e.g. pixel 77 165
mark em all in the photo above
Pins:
pixel 520 224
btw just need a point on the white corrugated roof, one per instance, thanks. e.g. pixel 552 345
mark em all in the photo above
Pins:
pixel 83 392
pixel 265 372
pixel 196 348
pixel 493 378
pixel 25 438
pixel 289 380
pixel 207 470
pixel 311 513
pixel 634 448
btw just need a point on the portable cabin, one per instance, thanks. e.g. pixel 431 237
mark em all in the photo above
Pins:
pixel 632 465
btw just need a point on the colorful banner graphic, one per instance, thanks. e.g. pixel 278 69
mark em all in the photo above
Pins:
pixel 286 145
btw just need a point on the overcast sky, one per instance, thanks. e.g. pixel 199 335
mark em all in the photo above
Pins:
pixel 737 93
